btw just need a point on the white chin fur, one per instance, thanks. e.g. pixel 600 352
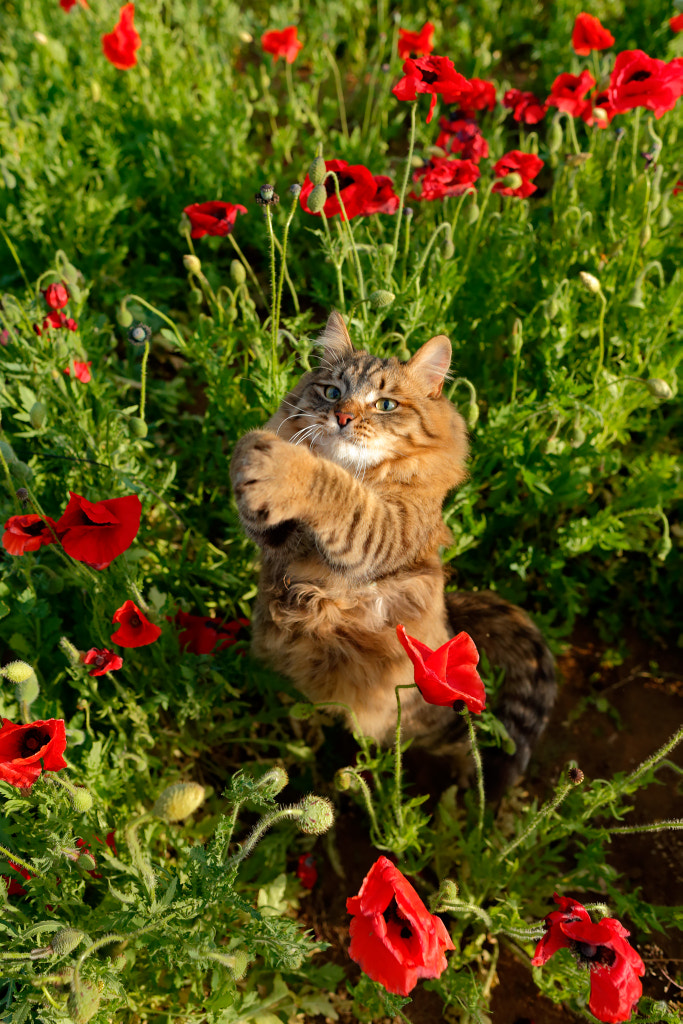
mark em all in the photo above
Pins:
pixel 350 455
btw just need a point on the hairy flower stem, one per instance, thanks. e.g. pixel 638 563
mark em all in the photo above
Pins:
pixel 273 296
pixel 634 147
pixel 11 488
pixel 428 248
pixel 8 855
pixel 10 246
pixel 478 767
pixel 404 189
pixel 460 907
pixel 139 860
pixel 247 266
pixel 296 110
pixel 337 265
pixel 346 224
pixel 283 266
pixel 162 316
pixel 376 837
pixel 340 91
pixel 143 380
pixel 659 755
pixel 543 812
pixel 259 830
pixel 601 339
pixel 477 227
pixel 398 809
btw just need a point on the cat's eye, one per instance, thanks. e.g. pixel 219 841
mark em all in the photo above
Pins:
pixel 332 392
pixel 385 404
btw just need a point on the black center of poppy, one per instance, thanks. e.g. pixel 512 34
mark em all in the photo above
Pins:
pixel 590 954
pixel 32 741
pixel 392 915
pixel 344 181
pixel 458 706
pixel 34 529
pixel 640 76
pixel 134 621
pixel 429 77
pixel 100 660
pixel 216 214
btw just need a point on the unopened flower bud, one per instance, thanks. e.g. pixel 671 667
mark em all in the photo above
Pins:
pixel 137 427
pixel 380 299
pixel 645 235
pixel 237 272
pixel 317 171
pixel 317 815
pixel 124 317
pixel 659 388
pixel 179 801
pixel 139 333
pixel 65 941
pixel 589 282
pixel 273 782
pixel 472 414
pixel 601 115
pixel 552 307
pixel 83 1002
pixel 555 136
pixel 448 891
pixel 513 180
pixel 301 711
pixel 665 214
pixel 579 434
pixel 317 199
pixel 470 214
pixel 192 264
pixel 517 338
pixel 17 672
pixel 448 249
pixel 81 799
pixel 86 862
pixel 246 37
pixel 37 415
pixel 344 780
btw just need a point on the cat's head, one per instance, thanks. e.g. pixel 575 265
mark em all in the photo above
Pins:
pixel 361 411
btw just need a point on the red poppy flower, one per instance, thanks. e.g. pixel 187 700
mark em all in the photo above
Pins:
pixel 588 34
pixel 56 295
pixel 56 320
pixel 98 532
pixel 448 676
pixel 134 629
pixel 213 218
pixel 282 44
pixel 433 75
pixel 201 635
pixel 443 177
pixel 24 747
pixel 614 964
pixel 676 23
pixel 103 660
pixel 28 533
pixel 526 165
pixel 306 871
pixel 568 92
pixel 66 5
pixel 417 44
pixel 394 938
pixel 81 371
pixel 525 107
pixel 462 136
pixel 362 192
pixel 481 96
pixel 641 81
pixel 15 888
pixel 119 46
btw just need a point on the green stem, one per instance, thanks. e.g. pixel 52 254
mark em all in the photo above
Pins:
pixel 153 309
pixel 542 813
pixel 283 263
pixel 478 767
pixel 259 831
pixel 404 187
pixel 11 487
pixel 247 266
pixel 601 339
pixel 337 265
pixel 139 861
pixel 143 380
pixel 347 226
pixel 428 248
pixel 376 837
pixel 398 809
pixel 10 246
pixel 460 907
pixel 8 855
pixel 659 755
pixel 634 148
pixel 290 91
pixel 273 287
pixel 657 826
pixel 340 91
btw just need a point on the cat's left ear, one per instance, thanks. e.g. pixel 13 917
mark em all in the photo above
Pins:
pixel 335 339
pixel 431 362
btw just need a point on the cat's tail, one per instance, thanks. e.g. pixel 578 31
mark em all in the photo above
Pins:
pixel 512 642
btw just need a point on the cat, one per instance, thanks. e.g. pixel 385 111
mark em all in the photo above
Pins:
pixel 343 491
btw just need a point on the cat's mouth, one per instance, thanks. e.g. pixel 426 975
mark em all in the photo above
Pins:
pixel 350 452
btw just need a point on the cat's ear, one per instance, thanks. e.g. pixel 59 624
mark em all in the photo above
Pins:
pixel 335 339
pixel 430 364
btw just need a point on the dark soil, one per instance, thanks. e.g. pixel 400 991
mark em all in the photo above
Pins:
pixel 607 718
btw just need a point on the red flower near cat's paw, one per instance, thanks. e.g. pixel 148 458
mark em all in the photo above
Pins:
pixel 419 44
pixel 615 967
pixel 433 75
pixel 25 750
pixel 119 46
pixel 96 532
pixel 213 218
pixel 394 938
pixel 448 676
pixel 135 630
pixel 589 34
pixel 443 177
pixel 28 533
pixel 103 660
pixel 524 166
pixel 282 44
pixel 201 634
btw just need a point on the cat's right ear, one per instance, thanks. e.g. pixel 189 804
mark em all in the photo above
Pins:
pixel 335 339
pixel 431 362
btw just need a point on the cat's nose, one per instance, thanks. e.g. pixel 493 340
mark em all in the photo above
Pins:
pixel 343 418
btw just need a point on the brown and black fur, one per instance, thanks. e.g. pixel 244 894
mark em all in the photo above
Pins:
pixel 344 495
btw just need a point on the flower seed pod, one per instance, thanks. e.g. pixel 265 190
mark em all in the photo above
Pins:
pixel 590 282
pixel 295 189
pixel 83 1002
pixel 317 199
pixel 273 782
pixel 139 334
pixel 237 272
pixel 380 299
pixel 317 171
pixel 575 775
pixel 659 388
pixel 37 415
pixel 179 801
pixel 192 264
pixel 65 941
pixel 317 815
pixel 137 427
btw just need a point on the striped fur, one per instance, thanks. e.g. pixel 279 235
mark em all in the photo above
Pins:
pixel 343 491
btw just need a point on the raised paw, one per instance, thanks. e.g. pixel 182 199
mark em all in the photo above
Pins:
pixel 263 478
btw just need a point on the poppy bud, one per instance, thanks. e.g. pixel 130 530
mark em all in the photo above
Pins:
pixel 471 213
pixel 178 801
pixel 380 299
pixel 555 136
pixel 317 171
pixel 65 941
pixel 552 307
pixel 237 272
pixel 590 282
pixel 517 338
pixel 273 782
pixel 192 264
pixel 17 672
pixel 344 780
pixel 512 180
pixel 472 414
pixel 137 427
pixel 37 415
pixel 124 318
pixel 579 435
pixel 317 199
pixel 139 334
pixel 656 186
pixel 118 962
pixel 83 1002
pixel 86 862
pixel 81 800
pixel 659 388
pixel 448 249
pixel 245 36
pixel 301 711
pixel 600 115
pixel 317 815
pixel 665 214
pixel 645 235
pixel 448 892
pixel 636 299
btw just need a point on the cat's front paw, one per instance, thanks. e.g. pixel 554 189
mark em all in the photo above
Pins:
pixel 267 478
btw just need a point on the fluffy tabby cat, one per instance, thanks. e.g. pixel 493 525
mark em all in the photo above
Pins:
pixel 343 491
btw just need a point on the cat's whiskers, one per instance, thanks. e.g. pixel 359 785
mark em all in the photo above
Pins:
pixel 296 416
pixel 305 433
